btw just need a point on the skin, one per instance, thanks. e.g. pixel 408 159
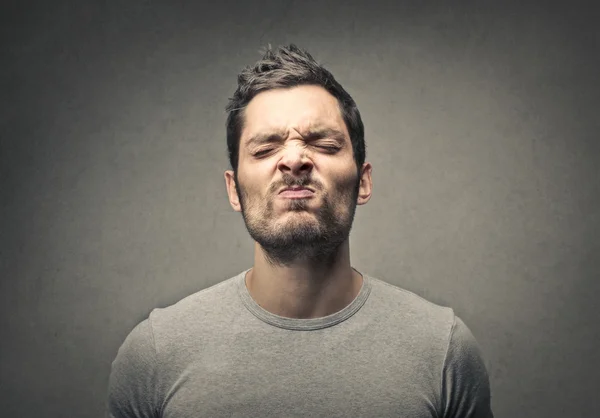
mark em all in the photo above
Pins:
pixel 302 256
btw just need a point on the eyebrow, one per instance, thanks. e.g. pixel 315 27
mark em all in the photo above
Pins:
pixel 314 133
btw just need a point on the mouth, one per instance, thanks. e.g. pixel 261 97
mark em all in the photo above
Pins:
pixel 296 192
pixel 295 189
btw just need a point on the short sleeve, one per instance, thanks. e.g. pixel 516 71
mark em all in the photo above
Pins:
pixel 132 388
pixel 465 380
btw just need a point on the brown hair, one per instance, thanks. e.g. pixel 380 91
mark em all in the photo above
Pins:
pixel 289 66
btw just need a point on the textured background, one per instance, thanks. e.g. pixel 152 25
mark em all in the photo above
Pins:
pixel 481 124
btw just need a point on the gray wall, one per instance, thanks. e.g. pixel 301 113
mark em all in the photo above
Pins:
pixel 481 124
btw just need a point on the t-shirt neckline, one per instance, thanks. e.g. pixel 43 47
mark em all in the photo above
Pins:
pixel 299 323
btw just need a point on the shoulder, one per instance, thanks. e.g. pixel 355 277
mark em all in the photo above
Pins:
pixel 421 327
pixel 205 301
pixel 443 338
pixel 193 314
pixel 412 308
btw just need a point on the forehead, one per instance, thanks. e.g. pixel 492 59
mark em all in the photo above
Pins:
pixel 302 108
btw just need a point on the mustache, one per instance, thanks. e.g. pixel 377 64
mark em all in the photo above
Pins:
pixel 295 182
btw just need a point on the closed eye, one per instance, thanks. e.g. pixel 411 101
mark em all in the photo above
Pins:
pixel 328 148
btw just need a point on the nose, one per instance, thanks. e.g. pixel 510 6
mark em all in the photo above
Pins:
pixel 294 160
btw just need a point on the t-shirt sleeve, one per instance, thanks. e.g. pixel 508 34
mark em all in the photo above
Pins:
pixel 465 381
pixel 132 388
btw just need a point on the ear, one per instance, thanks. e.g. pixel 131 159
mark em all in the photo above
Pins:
pixel 366 185
pixel 234 199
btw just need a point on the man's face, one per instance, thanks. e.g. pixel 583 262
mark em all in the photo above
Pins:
pixel 296 137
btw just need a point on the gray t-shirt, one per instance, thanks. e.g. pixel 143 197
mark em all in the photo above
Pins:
pixel 217 353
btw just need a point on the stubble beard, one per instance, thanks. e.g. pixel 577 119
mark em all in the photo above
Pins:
pixel 306 236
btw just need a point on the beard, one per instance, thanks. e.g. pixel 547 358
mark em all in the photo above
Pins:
pixel 296 233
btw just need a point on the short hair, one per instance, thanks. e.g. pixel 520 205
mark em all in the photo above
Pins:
pixel 288 67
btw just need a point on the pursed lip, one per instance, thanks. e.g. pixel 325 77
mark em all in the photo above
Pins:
pixel 295 189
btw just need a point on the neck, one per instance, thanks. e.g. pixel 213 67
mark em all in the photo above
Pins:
pixel 303 289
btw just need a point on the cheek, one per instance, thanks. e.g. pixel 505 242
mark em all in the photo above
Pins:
pixel 249 182
pixel 256 197
pixel 346 182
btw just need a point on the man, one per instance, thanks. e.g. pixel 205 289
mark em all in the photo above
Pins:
pixel 301 333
